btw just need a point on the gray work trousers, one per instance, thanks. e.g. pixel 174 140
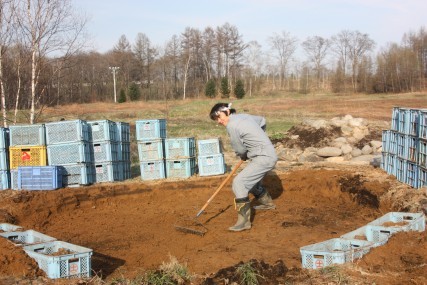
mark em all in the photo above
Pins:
pixel 249 179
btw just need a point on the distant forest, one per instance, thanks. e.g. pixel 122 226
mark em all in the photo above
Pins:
pixel 44 62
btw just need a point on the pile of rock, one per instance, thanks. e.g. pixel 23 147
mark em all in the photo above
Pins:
pixel 352 143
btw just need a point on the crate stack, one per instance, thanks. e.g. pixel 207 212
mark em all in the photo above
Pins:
pixel 123 139
pixel 180 156
pixel 68 146
pixel 104 146
pixel 354 245
pixel 58 259
pixel 150 137
pixel 27 153
pixel 210 158
pixel 404 153
pixel 4 159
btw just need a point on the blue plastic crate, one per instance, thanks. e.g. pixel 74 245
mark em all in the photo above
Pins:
pixel 401 166
pixel 64 132
pixel 411 176
pixel 150 129
pixel 77 174
pixel 27 237
pixel 68 153
pixel 39 178
pixel 124 170
pixel 59 259
pixel 422 177
pixel 333 251
pixel 102 130
pixel 211 164
pixel 6 227
pixel 422 153
pixel 124 151
pixel 4 179
pixel 107 172
pixel 180 168
pixel 14 179
pixel 28 135
pixel 208 147
pixel 152 169
pixel 388 163
pixel 4 159
pixel 422 133
pixel 151 149
pixel 4 137
pixel 123 132
pixel 408 121
pixel 105 151
pixel 180 147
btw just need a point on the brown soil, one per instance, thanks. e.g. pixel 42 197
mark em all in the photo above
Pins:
pixel 131 225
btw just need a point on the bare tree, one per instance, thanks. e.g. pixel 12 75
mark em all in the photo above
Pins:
pixel 255 62
pixel 7 11
pixel 284 45
pixel 316 48
pixel 48 27
pixel 145 55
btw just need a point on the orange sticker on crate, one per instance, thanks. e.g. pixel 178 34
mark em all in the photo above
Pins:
pixel 25 156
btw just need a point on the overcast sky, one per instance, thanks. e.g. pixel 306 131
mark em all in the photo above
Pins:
pixel 384 21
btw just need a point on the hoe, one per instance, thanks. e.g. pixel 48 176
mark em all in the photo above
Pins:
pixel 193 226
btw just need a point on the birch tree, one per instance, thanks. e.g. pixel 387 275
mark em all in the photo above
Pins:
pixel 48 28
pixel 7 11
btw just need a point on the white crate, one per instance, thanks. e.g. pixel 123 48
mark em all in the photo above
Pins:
pixel 6 227
pixel 208 147
pixel 27 237
pixel 74 263
pixel 180 147
pixel 152 169
pixel 67 132
pixel 368 233
pixel 211 164
pixel 333 251
pixel 27 135
pixel 394 222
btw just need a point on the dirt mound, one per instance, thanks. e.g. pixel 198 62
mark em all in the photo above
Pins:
pixel 130 225
pixel 309 136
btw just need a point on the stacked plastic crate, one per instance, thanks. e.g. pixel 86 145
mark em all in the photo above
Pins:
pixel 150 137
pixel 180 157
pixel 105 151
pixel 68 146
pixel 4 159
pixel 123 139
pixel 210 158
pixel 27 149
pixel 404 152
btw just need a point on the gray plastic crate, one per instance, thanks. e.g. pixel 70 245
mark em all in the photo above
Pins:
pixel 30 135
pixel 150 129
pixel 4 179
pixel 180 168
pixel 180 147
pixel 77 174
pixel 333 251
pixel 103 130
pixel 67 132
pixel 208 147
pixel 211 164
pixel 151 149
pixel 153 169
pixel 67 153
pixel 105 151
pixel 59 259
pixel 26 237
pixel 107 171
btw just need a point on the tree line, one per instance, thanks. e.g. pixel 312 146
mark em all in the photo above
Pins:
pixel 44 61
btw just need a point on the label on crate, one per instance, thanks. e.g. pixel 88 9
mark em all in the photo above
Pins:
pixel 99 169
pixel 147 127
pixel 97 148
pixel 210 161
pixel 74 267
pixel 319 263
pixel 25 156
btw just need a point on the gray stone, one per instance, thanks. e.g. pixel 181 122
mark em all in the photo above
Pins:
pixel 329 151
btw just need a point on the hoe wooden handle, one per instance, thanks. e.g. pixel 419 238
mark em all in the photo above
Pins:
pixel 220 187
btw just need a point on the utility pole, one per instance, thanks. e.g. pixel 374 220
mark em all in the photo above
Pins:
pixel 114 70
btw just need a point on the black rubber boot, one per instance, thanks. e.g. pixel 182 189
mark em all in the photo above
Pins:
pixel 265 202
pixel 243 208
